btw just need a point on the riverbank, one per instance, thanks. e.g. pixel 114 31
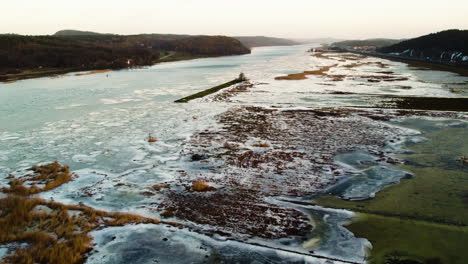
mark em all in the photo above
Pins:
pixel 56 72
pixel 25 54
pixel 418 63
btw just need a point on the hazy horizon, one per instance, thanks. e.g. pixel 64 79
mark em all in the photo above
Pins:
pixel 297 19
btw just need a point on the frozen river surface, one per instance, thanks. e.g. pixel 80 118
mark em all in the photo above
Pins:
pixel 99 125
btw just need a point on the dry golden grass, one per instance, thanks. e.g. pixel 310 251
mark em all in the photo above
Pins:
pixel 50 176
pixel 294 76
pixel 262 145
pixel 320 55
pixel 152 139
pixel 202 186
pixel 93 72
pixel 53 235
pixel 160 186
pixel 359 64
pixel 302 76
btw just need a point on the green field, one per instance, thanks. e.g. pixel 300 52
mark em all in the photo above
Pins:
pixel 425 242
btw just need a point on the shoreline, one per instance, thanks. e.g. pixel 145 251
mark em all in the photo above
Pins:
pixel 461 70
pixel 34 73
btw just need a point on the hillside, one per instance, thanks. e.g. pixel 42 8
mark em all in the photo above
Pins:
pixel 318 40
pixel 261 41
pixel 450 46
pixel 77 33
pixel 210 46
pixel 98 51
pixel 378 42
pixel 72 32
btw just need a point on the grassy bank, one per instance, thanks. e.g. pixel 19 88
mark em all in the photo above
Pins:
pixel 425 218
pixel 208 91
pixel 399 240
pixel 436 195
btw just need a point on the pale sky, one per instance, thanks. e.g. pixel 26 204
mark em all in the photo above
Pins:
pixel 287 18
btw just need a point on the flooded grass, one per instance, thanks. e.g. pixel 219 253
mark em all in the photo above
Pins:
pixel 49 176
pixel 303 76
pixel 261 152
pixel 359 64
pixel 53 234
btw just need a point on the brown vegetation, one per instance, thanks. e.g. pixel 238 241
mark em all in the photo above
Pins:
pixel 302 76
pixel 261 145
pixel 151 139
pixel 49 176
pixel 160 186
pixel 320 55
pixel 53 234
pixel 237 211
pixel 92 72
pixel 202 186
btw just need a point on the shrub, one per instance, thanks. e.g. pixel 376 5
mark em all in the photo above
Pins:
pixel 202 186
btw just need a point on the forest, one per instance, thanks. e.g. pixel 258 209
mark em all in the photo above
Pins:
pixel 366 42
pixel 19 53
pixel 449 40
pixel 447 47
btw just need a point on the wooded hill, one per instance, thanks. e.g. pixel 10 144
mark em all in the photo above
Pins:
pixel 97 51
pixel 450 46
pixel 248 41
pixel 261 41
pixel 449 40
pixel 379 42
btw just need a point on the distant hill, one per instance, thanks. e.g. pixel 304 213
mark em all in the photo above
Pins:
pixel 250 42
pixel 71 32
pixel 76 33
pixel 450 46
pixel 318 40
pixel 261 41
pixel 378 42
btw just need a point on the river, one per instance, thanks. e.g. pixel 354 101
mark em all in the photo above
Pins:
pixel 99 124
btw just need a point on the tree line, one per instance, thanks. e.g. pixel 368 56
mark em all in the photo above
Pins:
pixel 19 52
